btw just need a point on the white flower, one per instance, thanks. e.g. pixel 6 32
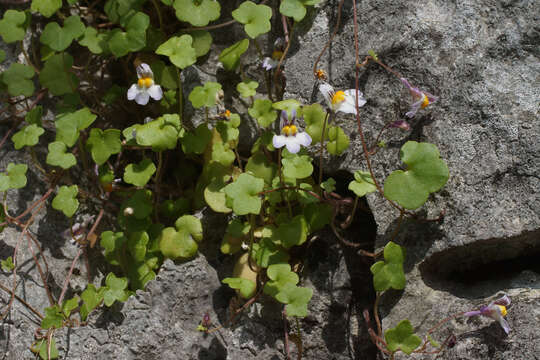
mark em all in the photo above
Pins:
pixel 343 101
pixel 495 310
pixel 290 137
pixel 145 87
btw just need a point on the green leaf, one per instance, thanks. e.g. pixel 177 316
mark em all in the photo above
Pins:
pixel 95 41
pixel 141 203
pixel 56 75
pixel 103 144
pixel 256 18
pixel 247 88
pixel 91 299
pixel 280 275
pixel 196 141
pixel 53 318
pixel 15 178
pixel 179 50
pixel 133 39
pixel 295 8
pixel 222 154
pixel 27 136
pixel 66 201
pixel 116 290
pixel 297 166
pixel 165 75
pixel 288 105
pixel 362 184
pixel 230 57
pixel 228 132
pixel 259 166
pixel 433 342
pixel 137 243
pixel 58 38
pixel 58 156
pixel 329 185
pixel 402 337
pixel 314 116
pixel 389 273
pixel 121 11
pixel 197 13
pixel 177 245
pixel 69 305
pixel 113 244
pixel 297 299
pixel 18 79
pixel 293 232
pixel 215 197
pixel 205 96
pixel 69 125
pixel 7 264
pixel 262 111
pixel 268 253
pixel 373 54
pixel 243 194
pixel 338 140
pixel 2 55
pixel 161 134
pixel 46 8
pixel 426 173
pixel 43 349
pixel 139 174
pixel 13 26
pixel 246 287
pixel 201 42
pixel 191 225
pixel 33 117
pixel 317 215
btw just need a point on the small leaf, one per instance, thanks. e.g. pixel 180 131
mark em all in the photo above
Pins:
pixel 362 184
pixel 263 112
pixel 201 42
pixel 66 201
pixel 179 50
pixel 69 305
pixel 177 245
pixel 317 215
pixel 389 273
pixel 314 116
pixel 103 144
pixel 373 55
pixel 69 125
pixel 426 173
pixel 295 8
pixel 95 41
pixel 7 264
pixel 297 299
pixel 12 26
pixel 256 18
pixel 338 140
pixel 91 299
pixel 288 105
pixel 58 156
pixel 139 174
pixel 280 275
pixel 18 79
pixel 197 13
pixel 33 117
pixel 165 75
pixel 243 194
pixel 230 57
pixel 27 136
pixel 141 203
pixel 246 287
pixel 297 166
pixel 247 88
pixel 329 185
pixel 59 38
pixel 205 96
pixel 46 8
pixel 161 134
pixel 268 253
pixel 53 318
pixel 56 75
pixel 196 141
pixel 259 166
pixel 116 290
pixel 137 243
pixel 191 225
pixel 293 232
pixel 15 177
pixel 402 337
pixel 112 243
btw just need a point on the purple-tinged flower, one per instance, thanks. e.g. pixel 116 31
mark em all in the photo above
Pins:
pixel 271 62
pixel 495 310
pixel 421 98
pixel 290 136
pixel 145 88
pixel 344 101
pixel 402 124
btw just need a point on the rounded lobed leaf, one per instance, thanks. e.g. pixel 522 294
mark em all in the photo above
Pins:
pixel 12 26
pixel 426 173
pixel 139 174
pixel 205 95
pixel 256 18
pixel 338 140
pixel 56 75
pixel 230 57
pixel 66 201
pixel 245 287
pixel 58 156
pixel 103 144
pixel 262 111
pixel 314 116
pixel 14 178
pixel 197 13
pixel 179 50
pixel 18 79
pixel 362 184
pixel 247 88
pixel 27 136
pixel 402 337
pixel 177 244
pixel 243 194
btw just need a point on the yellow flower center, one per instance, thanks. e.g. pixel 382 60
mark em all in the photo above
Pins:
pixel 145 82
pixel 276 54
pixel 338 97
pixel 503 310
pixel 227 114
pixel 425 101
pixel 289 130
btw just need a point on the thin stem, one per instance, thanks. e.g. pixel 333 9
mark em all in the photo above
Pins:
pixel 157 180
pixel 41 274
pixel 321 150
pixel 286 332
pixel 36 162
pixel 180 96
pixel 316 64
pixel 251 241
pixel 22 301
pixel 376 313
pixel 156 5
